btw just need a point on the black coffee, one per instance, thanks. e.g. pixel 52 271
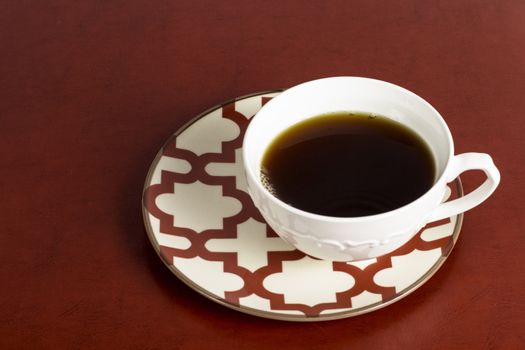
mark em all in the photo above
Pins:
pixel 347 165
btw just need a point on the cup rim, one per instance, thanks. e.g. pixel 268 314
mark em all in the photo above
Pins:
pixel 255 179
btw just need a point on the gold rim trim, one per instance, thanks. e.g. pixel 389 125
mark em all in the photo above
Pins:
pixel 276 315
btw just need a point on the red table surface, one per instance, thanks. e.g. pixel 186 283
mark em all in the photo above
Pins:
pixel 90 90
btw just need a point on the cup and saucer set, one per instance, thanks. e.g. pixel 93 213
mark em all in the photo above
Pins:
pixel 220 231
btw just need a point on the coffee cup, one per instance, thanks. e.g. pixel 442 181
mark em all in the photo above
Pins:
pixel 353 238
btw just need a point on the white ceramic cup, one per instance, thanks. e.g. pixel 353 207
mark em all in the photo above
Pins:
pixel 356 238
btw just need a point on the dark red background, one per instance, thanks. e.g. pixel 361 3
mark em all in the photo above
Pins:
pixel 90 90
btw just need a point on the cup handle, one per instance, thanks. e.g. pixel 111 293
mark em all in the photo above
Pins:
pixel 459 164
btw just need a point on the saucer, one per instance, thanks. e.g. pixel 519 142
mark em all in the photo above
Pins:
pixel 205 228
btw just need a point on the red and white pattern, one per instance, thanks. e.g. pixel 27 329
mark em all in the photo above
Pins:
pixel 205 227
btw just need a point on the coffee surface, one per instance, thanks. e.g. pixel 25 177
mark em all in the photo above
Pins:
pixel 348 164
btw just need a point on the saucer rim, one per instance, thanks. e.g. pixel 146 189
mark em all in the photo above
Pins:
pixel 275 315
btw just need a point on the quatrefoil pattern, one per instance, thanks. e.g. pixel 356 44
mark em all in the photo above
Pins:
pixel 205 227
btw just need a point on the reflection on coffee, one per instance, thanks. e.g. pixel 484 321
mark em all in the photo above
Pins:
pixel 348 164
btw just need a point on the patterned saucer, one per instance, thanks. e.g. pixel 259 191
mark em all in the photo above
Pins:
pixel 202 223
